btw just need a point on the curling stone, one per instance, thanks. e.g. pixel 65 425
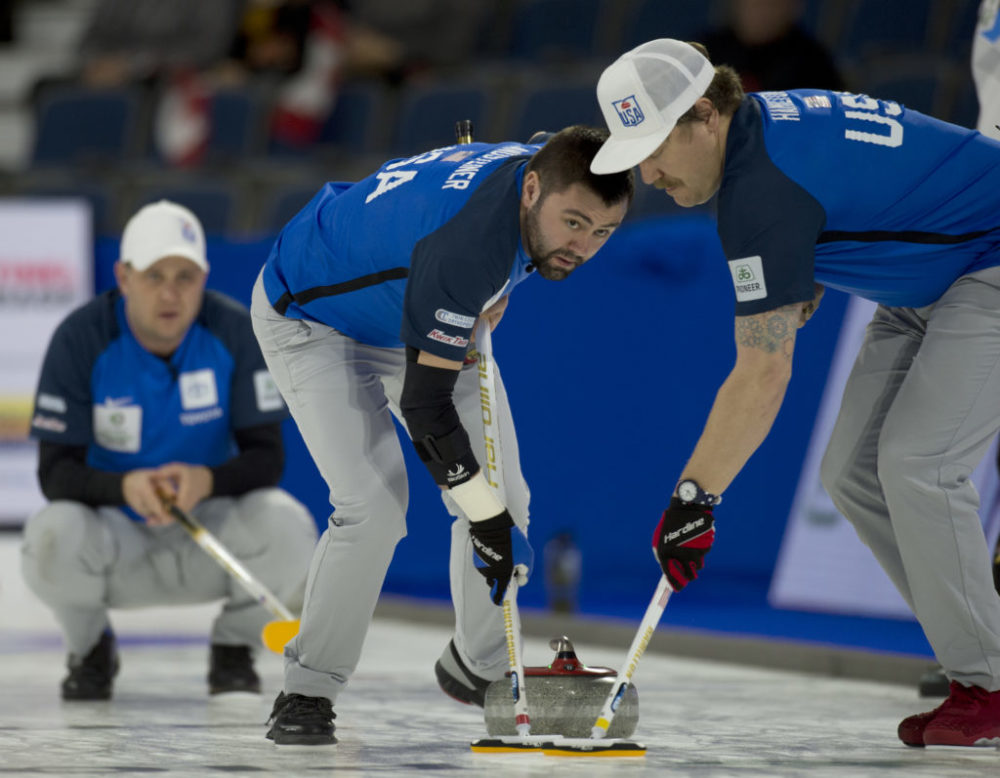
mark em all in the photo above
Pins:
pixel 564 698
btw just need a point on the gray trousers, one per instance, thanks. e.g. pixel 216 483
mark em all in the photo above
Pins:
pixel 920 410
pixel 81 561
pixel 343 395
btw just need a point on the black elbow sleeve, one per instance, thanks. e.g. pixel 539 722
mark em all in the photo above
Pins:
pixel 435 429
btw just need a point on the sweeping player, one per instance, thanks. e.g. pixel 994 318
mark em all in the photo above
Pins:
pixel 158 388
pixel 818 187
pixel 365 310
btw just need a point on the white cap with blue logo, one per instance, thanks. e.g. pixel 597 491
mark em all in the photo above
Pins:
pixel 163 229
pixel 642 95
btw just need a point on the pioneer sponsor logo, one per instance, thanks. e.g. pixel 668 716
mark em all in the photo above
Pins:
pixel 748 278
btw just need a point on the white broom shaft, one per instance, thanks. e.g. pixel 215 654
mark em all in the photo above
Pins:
pixel 214 548
pixel 492 466
pixel 491 438
pixel 512 630
pixel 642 637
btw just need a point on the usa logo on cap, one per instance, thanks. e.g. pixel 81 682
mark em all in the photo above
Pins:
pixel 187 231
pixel 629 111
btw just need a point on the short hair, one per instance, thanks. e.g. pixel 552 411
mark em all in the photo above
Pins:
pixel 725 92
pixel 565 160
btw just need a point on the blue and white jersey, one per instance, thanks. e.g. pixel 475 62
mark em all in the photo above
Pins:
pixel 410 255
pixel 100 388
pixel 859 194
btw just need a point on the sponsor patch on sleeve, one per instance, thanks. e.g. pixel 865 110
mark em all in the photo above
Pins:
pixel 455 319
pixel 748 278
pixel 51 402
pixel 451 340
pixel 266 391
pixel 49 423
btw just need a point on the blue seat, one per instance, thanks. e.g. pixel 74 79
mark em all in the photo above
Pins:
pixel 81 126
pixel 551 107
pixel 427 116
pixel 353 124
pixel 923 84
pixel 555 30
pixel 100 197
pixel 282 204
pixel 964 108
pixel 237 127
pixel 886 26
pixel 684 20
pixel 238 121
pixel 959 29
pixel 214 203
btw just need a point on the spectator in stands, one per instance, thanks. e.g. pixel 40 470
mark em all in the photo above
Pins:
pixel 427 34
pixel 144 41
pixel 764 42
pixel 157 392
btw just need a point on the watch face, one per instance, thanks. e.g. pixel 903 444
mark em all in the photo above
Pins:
pixel 687 491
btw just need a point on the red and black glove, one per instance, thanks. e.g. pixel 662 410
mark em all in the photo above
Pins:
pixel 681 540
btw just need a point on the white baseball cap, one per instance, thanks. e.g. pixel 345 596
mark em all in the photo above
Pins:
pixel 163 229
pixel 642 95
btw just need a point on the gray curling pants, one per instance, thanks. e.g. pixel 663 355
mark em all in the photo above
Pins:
pixel 919 411
pixel 81 561
pixel 343 394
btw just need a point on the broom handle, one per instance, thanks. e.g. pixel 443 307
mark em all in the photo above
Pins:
pixel 214 548
pixel 642 636
pixel 491 438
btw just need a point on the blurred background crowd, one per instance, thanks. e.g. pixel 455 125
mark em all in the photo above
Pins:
pixel 241 108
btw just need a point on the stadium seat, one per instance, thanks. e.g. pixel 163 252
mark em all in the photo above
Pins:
pixel 281 204
pixel 238 120
pixel 101 197
pixel 955 27
pixel 80 126
pixel 875 27
pixel 965 104
pixel 555 30
pixel 428 113
pixel 924 84
pixel 213 202
pixel 354 123
pixel 682 19
pixel 551 107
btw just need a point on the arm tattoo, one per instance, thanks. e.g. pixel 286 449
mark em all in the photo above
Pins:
pixel 770 332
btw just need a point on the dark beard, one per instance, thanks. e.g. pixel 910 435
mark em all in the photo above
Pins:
pixel 547 270
pixel 536 249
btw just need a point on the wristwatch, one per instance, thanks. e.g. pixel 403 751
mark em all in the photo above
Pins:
pixel 688 491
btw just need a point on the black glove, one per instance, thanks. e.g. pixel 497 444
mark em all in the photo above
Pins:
pixel 681 540
pixel 498 547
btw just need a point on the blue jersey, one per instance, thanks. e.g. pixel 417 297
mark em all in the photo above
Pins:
pixel 410 255
pixel 100 388
pixel 859 194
